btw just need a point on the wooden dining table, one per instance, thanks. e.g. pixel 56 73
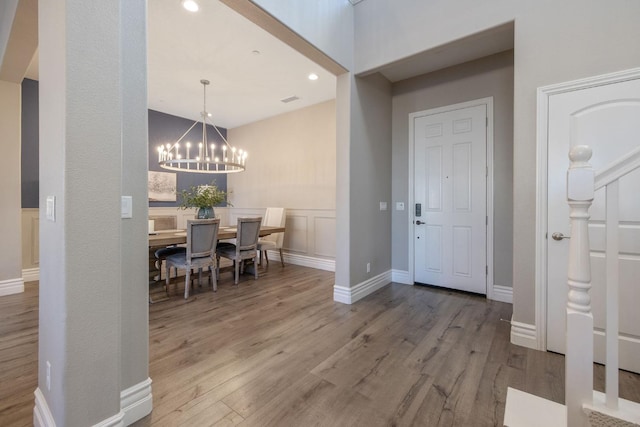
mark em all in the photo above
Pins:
pixel 178 237
pixel 164 238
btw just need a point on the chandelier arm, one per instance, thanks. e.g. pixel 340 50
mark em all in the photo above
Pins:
pixel 185 134
pixel 219 133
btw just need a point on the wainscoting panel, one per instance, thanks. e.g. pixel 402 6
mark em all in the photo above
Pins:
pixel 296 238
pixel 326 245
pixel 30 238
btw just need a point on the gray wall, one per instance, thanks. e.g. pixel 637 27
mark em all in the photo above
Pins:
pixel 29 144
pixel 370 178
pixel 553 42
pixel 490 76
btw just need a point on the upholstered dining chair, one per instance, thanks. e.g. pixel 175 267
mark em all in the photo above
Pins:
pixel 202 237
pixel 246 247
pixel 275 217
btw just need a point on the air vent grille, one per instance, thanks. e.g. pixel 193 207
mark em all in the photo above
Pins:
pixel 289 99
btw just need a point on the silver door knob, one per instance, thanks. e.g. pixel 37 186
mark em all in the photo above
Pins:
pixel 559 236
pixel 418 222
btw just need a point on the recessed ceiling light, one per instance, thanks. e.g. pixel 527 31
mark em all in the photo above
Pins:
pixel 313 76
pixel 190 5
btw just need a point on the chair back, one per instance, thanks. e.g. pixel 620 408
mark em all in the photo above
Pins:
pixel 248 232
pixel 275 217
pixel 202 237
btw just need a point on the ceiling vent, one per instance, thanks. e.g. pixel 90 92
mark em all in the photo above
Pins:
pixel 289 99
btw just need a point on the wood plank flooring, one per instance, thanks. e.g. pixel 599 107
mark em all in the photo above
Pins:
pixel 280 352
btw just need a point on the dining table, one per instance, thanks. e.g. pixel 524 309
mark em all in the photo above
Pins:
pixel 163 238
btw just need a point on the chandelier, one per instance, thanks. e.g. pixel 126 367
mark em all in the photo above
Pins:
pixel 203 157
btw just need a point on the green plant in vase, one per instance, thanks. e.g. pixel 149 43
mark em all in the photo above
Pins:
pixel 203 197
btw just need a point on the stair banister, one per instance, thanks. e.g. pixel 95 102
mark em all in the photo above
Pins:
pixel 579 351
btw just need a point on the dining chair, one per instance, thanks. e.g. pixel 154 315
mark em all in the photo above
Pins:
pixel 246 247
pixel 275 217
pixel 202 237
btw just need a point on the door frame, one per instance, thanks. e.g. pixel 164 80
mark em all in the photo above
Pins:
pixel 488 102
pixel 538 340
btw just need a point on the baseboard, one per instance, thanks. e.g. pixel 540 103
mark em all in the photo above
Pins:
pixel 502 294
pixel 401 276
pixel 11 286
pixel 42 416
pixel 350 295
pixel 136 402
pixel 115 421
pixel 303 260
pixel 524 334
pixel 31 274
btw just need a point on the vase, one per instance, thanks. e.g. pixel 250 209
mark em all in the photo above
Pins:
pixel 206 213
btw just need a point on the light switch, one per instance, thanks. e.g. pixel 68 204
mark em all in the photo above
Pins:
pixel 51 208
pixel 126 207
pixel 383 206
pixel 399 206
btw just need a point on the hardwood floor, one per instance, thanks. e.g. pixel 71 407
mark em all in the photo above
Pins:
pixel 280 352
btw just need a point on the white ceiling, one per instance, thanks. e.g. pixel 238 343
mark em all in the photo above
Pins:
pixel 218 44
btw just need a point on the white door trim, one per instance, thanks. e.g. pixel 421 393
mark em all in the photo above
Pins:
pixel 544 93
pixel 489 104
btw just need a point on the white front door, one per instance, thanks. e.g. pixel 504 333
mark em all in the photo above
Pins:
pixel 606 118
pixel 450 228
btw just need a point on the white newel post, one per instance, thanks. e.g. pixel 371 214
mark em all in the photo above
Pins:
pixel 579 357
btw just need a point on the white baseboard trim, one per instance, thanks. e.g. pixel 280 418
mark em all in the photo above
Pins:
pixel 502 294
pixel 350 295
pixel 136 402
pixel 31 274
pixel 42 416
pixel 11 286
pixel 115 421
pixel 401 276
pixel 524 334
pixel 303 260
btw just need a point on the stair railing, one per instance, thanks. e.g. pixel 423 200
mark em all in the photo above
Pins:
pixel 582 182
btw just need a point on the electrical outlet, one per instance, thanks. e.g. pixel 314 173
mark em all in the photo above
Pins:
pixel 368 267
pixel 399 206
pixel 48 376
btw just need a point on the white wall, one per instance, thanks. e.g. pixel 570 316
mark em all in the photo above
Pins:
pixel 327 24
pixel 488 77
pixel 10 261
pixel 291 163
pixel 553 42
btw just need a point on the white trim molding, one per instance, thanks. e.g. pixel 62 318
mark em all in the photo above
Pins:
pixel 11 286
pixel 401 276
pixel 136 402
pixel 114 421
pixel 42 416
pixel 31 274
pixel 350 295
pixel 303 260
pixel 542 150
pixel 524 334
pixel 502 294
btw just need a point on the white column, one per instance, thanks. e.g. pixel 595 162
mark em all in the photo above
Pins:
pixel 92 110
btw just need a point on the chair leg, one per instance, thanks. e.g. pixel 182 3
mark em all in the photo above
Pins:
pixel 212 278
pixel 167 278
pixel 281 258
pixel 255 267
pixel 260 253
pixel 217 267
pixel 200 277
pixel 237 271
pixel 187 284
pixel 266 257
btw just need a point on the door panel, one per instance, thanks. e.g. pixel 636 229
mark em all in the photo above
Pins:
pixel 607 119
pixel 450 184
